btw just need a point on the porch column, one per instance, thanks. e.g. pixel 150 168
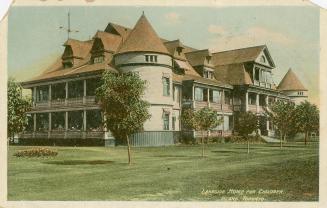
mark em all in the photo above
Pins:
pixel 84 95
pixel 49 99
pixel 66 89
pixel 247 101
pixel 66 123
pixel 50 124
pixel 257 102
pixel 222 99
pixel 34 95
pixel 208 97
pixel 193 96
pixel 267 100
pixel 84 120
pixel 84 124
pixel 34 122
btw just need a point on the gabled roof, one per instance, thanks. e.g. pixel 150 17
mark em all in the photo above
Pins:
pixel 199 79
pixel 172 48
pixel 59 72
pixel 143 38
pixel 80 48
pixel 118 30
pixel 110 41
pixel 291 82
pixel 198 57
pixel 241 55
pixel 233 74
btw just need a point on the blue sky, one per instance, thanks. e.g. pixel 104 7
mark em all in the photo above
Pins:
pixel 291 33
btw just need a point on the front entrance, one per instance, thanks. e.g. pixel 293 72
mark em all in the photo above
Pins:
pixel 263 125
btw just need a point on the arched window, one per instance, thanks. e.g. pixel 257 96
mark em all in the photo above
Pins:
pixel 263 59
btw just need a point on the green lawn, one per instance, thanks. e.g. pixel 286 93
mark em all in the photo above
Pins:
pixel 168 173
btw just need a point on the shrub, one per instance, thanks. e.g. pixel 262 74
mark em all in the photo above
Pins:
pixel 36 152
pixel 242 140
pixel 219 140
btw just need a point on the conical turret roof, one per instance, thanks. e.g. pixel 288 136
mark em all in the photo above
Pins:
pixel 143 38
pixel 290 82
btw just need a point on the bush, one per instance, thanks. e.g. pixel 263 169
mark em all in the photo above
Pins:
pixel 242 140
pixel 217 140
pixel 36 152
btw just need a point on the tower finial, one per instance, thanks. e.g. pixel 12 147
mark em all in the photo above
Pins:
pixel 143 12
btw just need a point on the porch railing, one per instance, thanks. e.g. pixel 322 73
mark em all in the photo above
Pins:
pixel 63 134
pixel 86 100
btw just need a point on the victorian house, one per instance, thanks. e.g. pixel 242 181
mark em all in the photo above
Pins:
pixel 65 107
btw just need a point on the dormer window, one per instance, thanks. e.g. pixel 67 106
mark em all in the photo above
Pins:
pixel 208 58
pixel 98 59
pixel 179 50
pixel 67 63
pixel 208 74
pixel 151 58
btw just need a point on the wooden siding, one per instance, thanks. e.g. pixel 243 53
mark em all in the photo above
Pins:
pixel 152 138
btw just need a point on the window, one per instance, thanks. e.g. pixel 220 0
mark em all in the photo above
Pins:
pixel 76 89
pixel 256 74
pixel 198 94
pixel 263 59
pixel 75 120
pixel 91 86
pixel 98 59
pixel 174 123
pixel 151 58
pixel 176 93
pixel 215 96
pixel 166 86
pixel 252 99
pixel 93 120
pixel 58 121
pixel 42 121
pixel 42 93
pixel 208 58
pixel 299 93
pixel 58 91
pixel 179 50
pixel 208 74
pixel 231 122
pixel 227 97
pixel 166 121
pixel 30 123
pixel 67 64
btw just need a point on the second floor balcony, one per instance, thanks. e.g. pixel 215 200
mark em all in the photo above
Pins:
pixel 72 93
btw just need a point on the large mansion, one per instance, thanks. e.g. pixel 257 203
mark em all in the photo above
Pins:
pixel 64 104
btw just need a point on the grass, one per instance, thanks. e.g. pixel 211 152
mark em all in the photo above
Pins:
pixel 168 173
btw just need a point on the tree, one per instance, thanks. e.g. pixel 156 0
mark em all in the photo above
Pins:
pixel 307 118
pixel 283 116
pixel 17 108
pixel 201 120
pixel 120 95
pixel 247 122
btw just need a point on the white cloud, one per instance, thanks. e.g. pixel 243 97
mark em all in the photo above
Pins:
pixel 173 18
pixel 250 37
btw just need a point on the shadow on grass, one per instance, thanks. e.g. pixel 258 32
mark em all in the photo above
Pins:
pixel 79 162
pixel 227 151
pixel 179 156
